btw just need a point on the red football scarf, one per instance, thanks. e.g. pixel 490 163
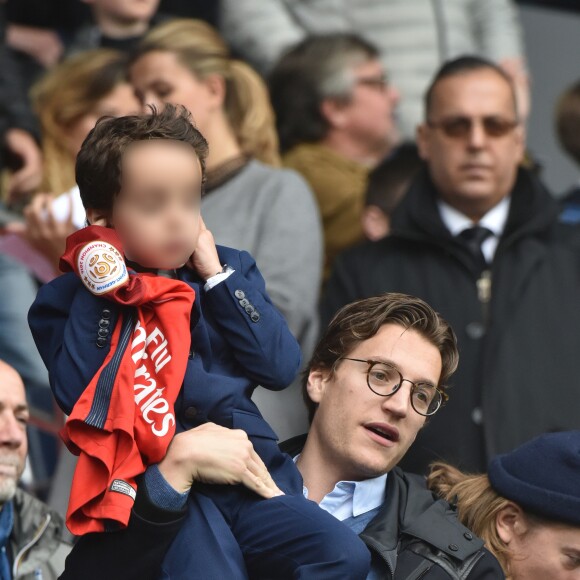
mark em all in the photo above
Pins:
pixel 124 419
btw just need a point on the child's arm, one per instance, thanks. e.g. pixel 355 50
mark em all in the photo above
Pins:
pixel 258 334
pixel 65 321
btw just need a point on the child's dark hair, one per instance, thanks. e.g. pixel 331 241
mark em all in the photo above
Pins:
pixel 98 165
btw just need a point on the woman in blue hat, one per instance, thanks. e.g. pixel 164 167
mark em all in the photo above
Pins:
pixel 527 507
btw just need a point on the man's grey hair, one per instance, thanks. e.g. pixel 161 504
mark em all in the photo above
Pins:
pixel 318 68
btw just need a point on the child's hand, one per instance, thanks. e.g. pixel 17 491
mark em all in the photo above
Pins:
pixel 216 455
pixel 205 259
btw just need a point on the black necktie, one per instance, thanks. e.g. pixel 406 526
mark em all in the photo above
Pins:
pixel 472 239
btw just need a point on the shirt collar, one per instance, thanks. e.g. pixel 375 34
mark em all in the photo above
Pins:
pixel 353 498
pixel 494 220
pixel 369 494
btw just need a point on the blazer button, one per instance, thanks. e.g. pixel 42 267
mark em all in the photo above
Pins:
pixel 106 313
pixel 254 317
pixel 103 332
pixel 239 294
pixel 190 412
pixel 249 309
pixel 244 302
pixel 104 323
pixel 101 342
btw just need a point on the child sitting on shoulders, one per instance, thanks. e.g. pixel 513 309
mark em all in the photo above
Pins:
pixel 155 328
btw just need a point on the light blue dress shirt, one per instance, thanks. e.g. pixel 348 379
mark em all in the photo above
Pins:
pixel 350 500
pixel 353 498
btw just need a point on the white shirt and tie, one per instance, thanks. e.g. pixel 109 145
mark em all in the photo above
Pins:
pixel 494 220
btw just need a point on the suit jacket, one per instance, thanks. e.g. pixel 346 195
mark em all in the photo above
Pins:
pixel 239 341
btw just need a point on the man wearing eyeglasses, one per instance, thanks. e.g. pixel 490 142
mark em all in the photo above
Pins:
pixel 377 375
pixel 335 115
pixel 477 238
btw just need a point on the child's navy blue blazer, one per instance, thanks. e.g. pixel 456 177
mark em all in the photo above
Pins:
pixel 239 340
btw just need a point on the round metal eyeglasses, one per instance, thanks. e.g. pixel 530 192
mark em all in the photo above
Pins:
pixel 385 380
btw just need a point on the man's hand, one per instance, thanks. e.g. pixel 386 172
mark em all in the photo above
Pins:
pixel 28 178
pixel 205 259
pixel 217 455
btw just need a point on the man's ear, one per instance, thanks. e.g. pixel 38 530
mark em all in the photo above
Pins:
pixel 316 385
pixel 334 112
pixel 98 217
pixel 511 523
pixel 422 138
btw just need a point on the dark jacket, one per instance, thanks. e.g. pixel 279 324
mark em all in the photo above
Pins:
pixel 517 331
pixel 416 536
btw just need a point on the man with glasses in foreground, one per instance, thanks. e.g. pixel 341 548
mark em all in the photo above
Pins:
pixel 376 376
pixel 378 373
pixel 477 237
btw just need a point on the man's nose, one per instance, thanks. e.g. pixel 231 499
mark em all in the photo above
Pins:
pixel 477 135
pixel 399 403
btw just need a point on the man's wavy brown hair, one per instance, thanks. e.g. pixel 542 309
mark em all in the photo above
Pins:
pixel 362 319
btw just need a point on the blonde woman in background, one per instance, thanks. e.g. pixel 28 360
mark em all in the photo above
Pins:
pixel 250 203
pixel 68 100
pixel 526 509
